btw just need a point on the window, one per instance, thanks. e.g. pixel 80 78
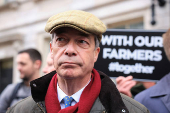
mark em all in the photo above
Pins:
pixel 6 68
pixel 136 23
pixel 131 26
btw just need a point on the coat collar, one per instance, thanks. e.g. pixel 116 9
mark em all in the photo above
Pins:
pixel 162 87
pixel 109 95
pixel 162 90
pixel 39 86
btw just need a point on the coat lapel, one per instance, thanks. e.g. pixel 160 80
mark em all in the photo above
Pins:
pixel 110 96
pixel 39 86
pixel 166 100
pixel 162 90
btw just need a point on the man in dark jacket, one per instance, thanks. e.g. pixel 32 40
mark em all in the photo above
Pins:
pixel 76 87
pixel 157 98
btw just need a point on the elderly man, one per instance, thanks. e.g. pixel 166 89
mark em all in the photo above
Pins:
pixel 76 87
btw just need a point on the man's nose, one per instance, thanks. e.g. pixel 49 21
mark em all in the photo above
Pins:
pixel 71 49
pixel 19 67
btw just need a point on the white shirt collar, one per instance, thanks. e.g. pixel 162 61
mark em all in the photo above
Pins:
pixel 61 94
pixel 75 96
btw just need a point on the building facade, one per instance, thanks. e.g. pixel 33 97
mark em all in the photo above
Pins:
pixel 22 24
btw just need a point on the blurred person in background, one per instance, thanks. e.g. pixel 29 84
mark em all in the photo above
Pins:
pixel 49 65
pixel 157 98
pixel 141 86
pixel 28 64
pixel 130 87
pixel 124 84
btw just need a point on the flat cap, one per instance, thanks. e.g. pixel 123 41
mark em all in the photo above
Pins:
pixel 80 20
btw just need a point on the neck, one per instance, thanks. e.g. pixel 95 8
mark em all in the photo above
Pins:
pixel 71 86
pixel 34 76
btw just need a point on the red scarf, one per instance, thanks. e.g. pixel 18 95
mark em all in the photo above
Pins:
pixel 87 98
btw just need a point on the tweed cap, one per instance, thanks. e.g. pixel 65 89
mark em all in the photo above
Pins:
pixel 166 43
pixel 80 20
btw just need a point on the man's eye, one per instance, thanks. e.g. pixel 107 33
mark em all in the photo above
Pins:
pixel 82 41
pixel 60 39
pixel 23 64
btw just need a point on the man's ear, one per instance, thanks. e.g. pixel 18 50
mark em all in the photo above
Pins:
pixel 96 53
pixel 51 50
pixel 37 64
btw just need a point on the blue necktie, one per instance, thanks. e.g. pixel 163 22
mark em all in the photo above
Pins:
pixel 67 101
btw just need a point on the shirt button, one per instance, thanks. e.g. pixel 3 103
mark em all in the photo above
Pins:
pixel 34 85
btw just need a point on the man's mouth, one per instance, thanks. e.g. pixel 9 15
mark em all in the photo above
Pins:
pixel 69 64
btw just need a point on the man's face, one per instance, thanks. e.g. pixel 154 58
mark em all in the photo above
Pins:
pixel 25 66
pixel 73 53
pixel 49 66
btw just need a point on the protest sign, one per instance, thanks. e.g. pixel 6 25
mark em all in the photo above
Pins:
pixel 138 53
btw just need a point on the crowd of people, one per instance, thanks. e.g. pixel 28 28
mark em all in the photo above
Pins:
pixel 71 84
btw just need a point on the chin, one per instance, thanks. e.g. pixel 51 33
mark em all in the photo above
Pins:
pixel 21 76
pixel 70 72
pixel 67 74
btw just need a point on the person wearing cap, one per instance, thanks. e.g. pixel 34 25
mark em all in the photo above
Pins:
pixel 76 87
pixel 157 98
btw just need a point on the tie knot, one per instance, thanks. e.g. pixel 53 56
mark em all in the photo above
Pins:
pixel 67 101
